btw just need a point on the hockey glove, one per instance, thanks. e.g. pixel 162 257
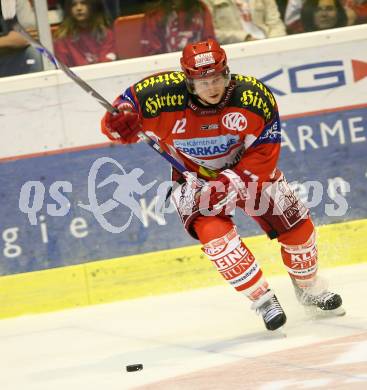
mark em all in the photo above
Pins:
pixel 123 126
pixel 224 190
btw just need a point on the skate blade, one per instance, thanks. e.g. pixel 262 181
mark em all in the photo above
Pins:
pixel 275 334
pixel 315 312
pixel 279 333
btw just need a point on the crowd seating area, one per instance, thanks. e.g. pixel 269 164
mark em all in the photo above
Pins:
pixel 91 31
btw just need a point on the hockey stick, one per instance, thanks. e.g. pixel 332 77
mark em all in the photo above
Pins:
pixel 8 8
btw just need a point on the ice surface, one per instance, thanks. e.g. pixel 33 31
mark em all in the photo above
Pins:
pixel 201 339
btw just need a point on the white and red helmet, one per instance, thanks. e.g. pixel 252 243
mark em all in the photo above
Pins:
pixel 203 59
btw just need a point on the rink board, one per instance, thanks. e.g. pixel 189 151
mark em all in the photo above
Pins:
pixel 65 233
pixel 158 273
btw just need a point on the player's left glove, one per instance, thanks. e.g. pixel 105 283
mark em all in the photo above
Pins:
pixel 224 190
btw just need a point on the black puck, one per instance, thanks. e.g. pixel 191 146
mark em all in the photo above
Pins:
pixel 134 367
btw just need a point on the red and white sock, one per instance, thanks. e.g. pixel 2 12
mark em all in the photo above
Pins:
pixel 301 261
pixel 236 264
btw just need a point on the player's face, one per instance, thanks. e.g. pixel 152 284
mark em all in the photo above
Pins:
pixel 80 10
pixel 210 89
pixel 326 15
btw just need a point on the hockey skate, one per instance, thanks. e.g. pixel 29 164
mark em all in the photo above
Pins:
pixel 317 300
pixel 271 311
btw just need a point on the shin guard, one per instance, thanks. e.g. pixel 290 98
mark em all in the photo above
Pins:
pixel 301 261
pixel 236 264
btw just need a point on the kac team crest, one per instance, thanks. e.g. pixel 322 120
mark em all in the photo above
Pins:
pixel 235 121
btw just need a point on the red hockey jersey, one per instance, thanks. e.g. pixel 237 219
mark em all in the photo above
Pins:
pixel 243 131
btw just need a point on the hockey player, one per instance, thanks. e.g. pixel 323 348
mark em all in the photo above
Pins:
pixel 226 129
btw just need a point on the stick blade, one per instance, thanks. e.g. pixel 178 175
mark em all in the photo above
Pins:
pixel 8 8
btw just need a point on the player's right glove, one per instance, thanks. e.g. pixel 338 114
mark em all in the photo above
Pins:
pixel 223 192
pixel 122 126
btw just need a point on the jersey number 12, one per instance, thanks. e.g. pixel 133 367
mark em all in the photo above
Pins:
pixel 179 126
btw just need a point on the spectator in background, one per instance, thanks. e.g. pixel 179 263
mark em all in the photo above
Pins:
pixel 84 36
pixel 322 15
pixel 294 8
pixel 245 20
pixel 16 55
pixel 358 9
pixel 171 24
